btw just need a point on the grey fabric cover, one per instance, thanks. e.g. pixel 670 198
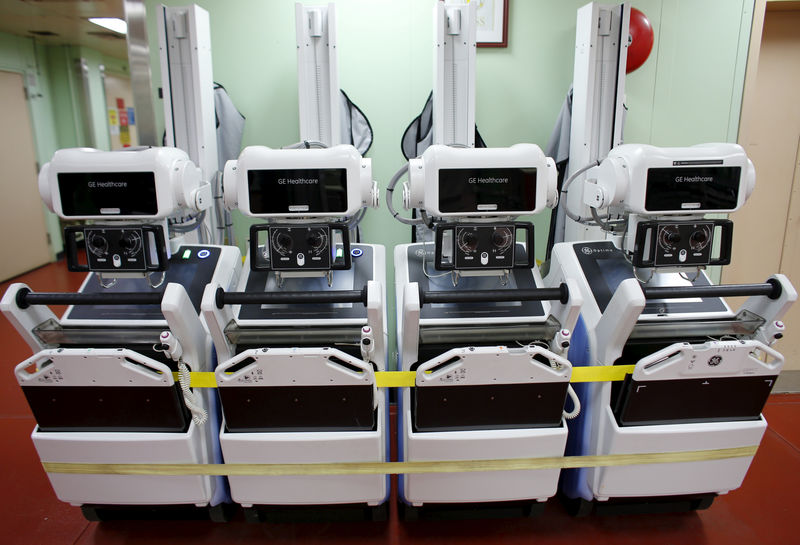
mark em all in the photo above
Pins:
pixel 558 145
pixel 418 136
pixel 230 126
pixel 355 127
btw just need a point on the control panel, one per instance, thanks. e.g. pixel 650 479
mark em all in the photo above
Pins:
pixel 465 246
pixel 296 247
pixel 683 243
pixel 117 249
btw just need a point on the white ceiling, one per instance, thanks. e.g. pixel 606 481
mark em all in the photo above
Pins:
pixel 68 20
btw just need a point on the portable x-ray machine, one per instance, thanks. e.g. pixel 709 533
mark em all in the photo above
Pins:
pixel 100 383
pixel 485 335
pixel 300 341
pixel 702 372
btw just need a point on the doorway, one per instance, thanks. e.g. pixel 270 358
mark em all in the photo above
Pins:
pixel 25 239
pixel 767 230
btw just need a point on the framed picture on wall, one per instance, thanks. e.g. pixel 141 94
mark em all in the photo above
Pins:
pixel 492 23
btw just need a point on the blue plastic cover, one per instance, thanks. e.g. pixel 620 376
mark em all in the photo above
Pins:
pixel 574 483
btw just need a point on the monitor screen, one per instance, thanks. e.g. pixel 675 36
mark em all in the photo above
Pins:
pixel 464 190
pixel 692 188
pixel 108 193
pixel 311 190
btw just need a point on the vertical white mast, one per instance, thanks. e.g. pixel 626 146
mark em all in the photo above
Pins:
pixel 318 74
pixel 454 74
pixel 601 54
pixel 184 39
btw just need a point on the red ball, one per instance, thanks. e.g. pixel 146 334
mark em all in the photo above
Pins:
pixel 641 45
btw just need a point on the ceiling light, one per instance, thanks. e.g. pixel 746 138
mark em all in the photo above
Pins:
pixel 111 23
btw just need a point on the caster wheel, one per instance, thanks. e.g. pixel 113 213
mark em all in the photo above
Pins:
pixel 253 515
pixel 578 507
pixel 408 513
pixel 91 514
pixel 379 513
pixel 703 503
pixel 220 513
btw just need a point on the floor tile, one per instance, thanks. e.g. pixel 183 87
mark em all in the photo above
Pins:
pixel 29 509
pixel 782 418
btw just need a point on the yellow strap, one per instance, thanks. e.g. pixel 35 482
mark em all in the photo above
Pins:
pixel 200 379
pixel 601 373
pixel 406 379
pixel 399 468
pixel 395 379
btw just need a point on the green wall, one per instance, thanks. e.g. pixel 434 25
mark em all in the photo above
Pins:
pixel 59 114
pixel 25 56
pixel 689 90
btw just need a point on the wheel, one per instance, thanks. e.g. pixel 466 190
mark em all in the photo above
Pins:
pixel 253 515
pixel 407 513
pixel 379 513
pixel 91 513
pixel 534 510
pixel 703 503
pixel 577 507
pixel 220 513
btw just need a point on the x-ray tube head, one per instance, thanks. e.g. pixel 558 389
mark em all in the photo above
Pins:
pixel 143 184
pixel 652 181
pixel 482 182
pixel 299 183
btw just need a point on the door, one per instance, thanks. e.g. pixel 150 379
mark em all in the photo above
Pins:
pixel 22 225
pixel 766 231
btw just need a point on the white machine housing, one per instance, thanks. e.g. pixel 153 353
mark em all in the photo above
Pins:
pixel 57 367
pixel 422 188
pixel 473 360
pixel 475 366
pixel 689 353
pixel 609 331
pixel 361 189
pixel 304 366
pixel 621 183
pixel 178 182
pixel 621 179
pixel 288 346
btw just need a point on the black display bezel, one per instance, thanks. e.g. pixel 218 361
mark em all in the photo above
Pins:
pixel 85 194
pixel 280 191
pixel 671 188
pixel 461 190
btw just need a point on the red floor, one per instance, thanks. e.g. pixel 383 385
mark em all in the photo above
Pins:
pixel 762 511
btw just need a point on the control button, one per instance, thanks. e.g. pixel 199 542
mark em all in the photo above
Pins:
pixel 484 258
pixel 682 256
pixel 301 260
pixel 356 252
pixel 202 254
pixel 116 260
